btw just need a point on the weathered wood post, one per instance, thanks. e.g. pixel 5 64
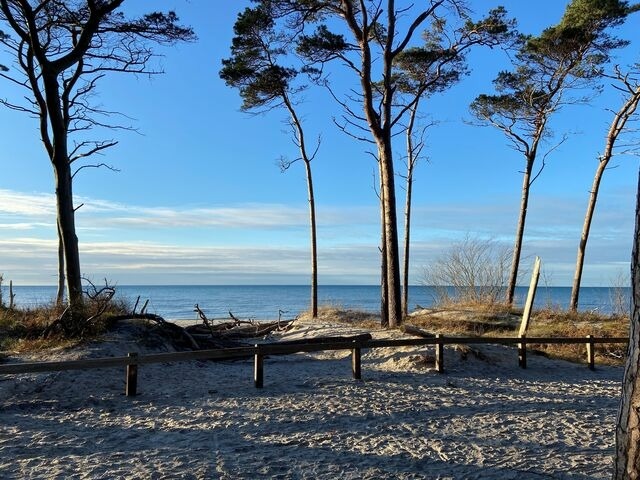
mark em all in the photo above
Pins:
pixel 591 353
pixel 439 354
pixel 522 352
pixel 531 295
pixel 131 385
pixel 258 368
pixel 356 365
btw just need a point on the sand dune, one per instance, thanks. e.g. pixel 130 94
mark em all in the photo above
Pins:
pixel 484 419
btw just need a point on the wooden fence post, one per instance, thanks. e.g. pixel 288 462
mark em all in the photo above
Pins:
pixel 258 368
pixel 591 353
pixel 439 354
pixel 522 352
pixel 131 385
pixel 356 366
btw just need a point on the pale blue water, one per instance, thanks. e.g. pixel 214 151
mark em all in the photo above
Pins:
pixel 265 301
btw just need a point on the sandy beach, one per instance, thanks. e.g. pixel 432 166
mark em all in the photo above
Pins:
pixel 483 419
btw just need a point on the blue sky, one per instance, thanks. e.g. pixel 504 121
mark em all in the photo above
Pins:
pixel 199 198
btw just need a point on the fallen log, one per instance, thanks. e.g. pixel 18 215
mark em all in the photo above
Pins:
pixel 310 341
pixel 418 332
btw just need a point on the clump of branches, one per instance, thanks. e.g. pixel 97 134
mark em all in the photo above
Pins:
pixel 98 306
pixel 473 271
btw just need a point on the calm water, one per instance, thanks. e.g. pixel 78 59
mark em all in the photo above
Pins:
pixel 265 302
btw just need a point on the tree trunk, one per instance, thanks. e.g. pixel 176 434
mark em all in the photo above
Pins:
pixel 407 240
pixel 314 244
pixel 627 462
pixel 591 206
pixel 61 275
pixel 391 236
pixel 517 247
pixel 384 289
pixel 64 190
pixel 618 125
pixel 66 224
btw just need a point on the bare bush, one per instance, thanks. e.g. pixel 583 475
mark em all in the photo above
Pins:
pixel 619 292
pixel 472 271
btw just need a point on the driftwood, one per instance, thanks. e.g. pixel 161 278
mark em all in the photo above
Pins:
pixel 176 332
pixel 311 341
pixel 418 332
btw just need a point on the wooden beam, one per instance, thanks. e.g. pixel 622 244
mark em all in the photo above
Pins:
pixel 522 352
pixel 258 367
pixel 131 384
pixel 356 364
pixel 591 353
pixel 439 354
pixel 531 295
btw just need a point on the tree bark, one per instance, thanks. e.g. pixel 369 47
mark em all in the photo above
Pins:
pixel 66 224
pixel 517 247
pixel 61 275
pixel 391 236
pixel 384 290
pixel 627 462
pixel 591 206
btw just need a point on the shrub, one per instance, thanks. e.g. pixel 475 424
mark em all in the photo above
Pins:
pixel 472 271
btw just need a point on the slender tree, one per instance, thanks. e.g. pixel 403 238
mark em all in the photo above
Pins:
pixel 629 85
pixel 565 58
pixel 627 461
pixel 265 84
pixel 61 51
pixel 369 39
pixel 415 145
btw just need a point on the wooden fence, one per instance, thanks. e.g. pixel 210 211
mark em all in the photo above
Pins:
pixel 260 351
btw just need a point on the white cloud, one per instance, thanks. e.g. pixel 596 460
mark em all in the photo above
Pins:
pixel 133 244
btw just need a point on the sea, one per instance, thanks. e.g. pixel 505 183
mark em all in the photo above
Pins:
pixel 270 302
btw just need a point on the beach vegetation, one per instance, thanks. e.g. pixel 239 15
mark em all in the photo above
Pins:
pixel 53 325
pixel 473 271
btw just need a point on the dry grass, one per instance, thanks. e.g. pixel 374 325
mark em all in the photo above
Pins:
pixel 336 314
pixel 481 320
pixel 21 330
pixel 558 323
pixel 471 321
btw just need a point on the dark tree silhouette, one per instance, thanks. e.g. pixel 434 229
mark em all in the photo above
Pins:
pixel 61 50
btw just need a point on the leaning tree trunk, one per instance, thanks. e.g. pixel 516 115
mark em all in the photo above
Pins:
pixel 517 247
pixel 618 125
pixel 627 462
pixel 314 242
pixel 593 197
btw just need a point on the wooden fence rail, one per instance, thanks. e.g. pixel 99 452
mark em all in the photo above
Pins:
pixel 260 351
